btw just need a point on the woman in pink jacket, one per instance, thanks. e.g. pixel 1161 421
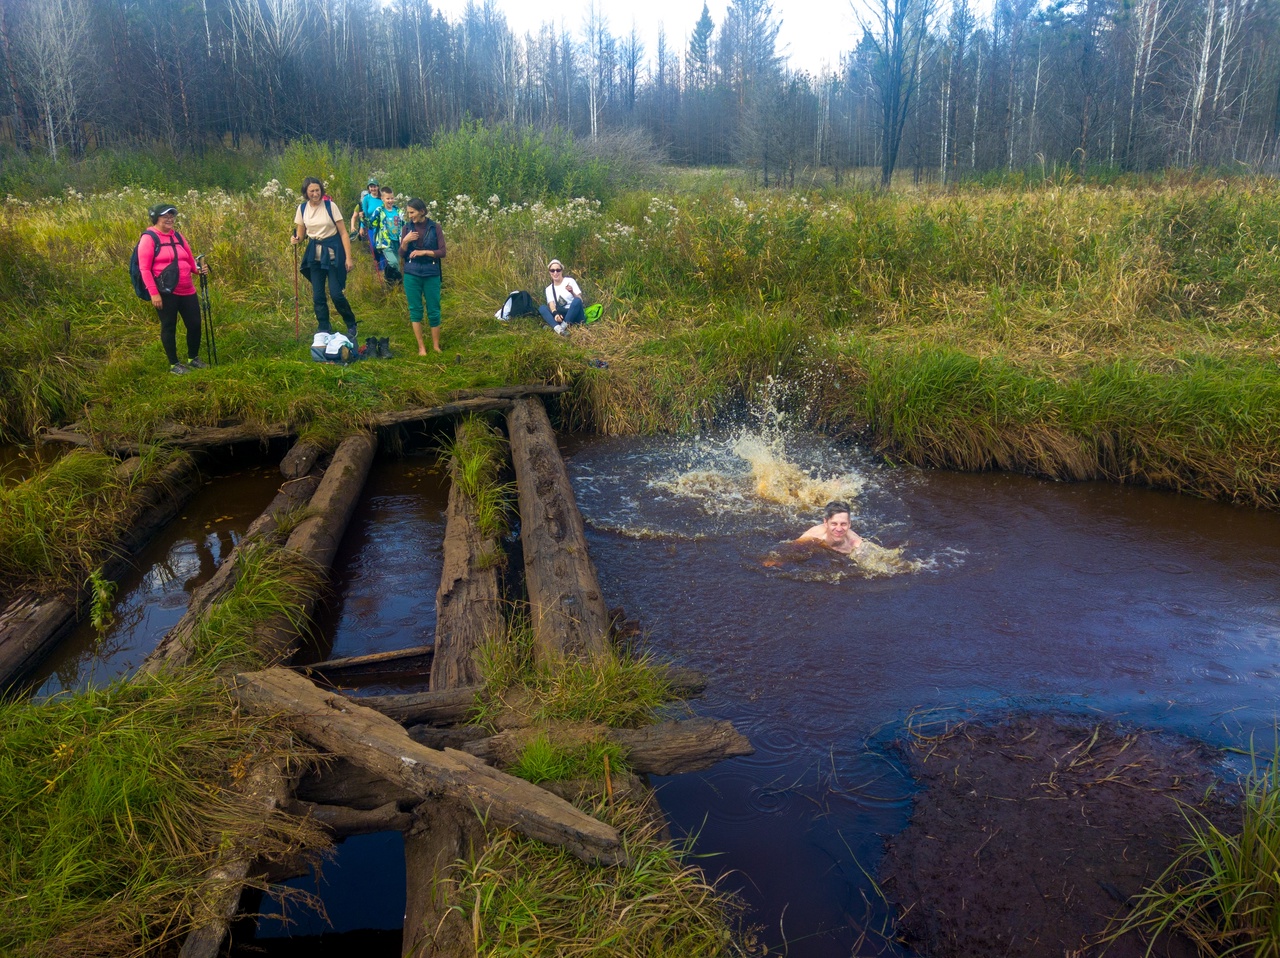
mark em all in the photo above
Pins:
pixel 172 293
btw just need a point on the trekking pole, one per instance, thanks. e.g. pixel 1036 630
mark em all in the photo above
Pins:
pixel 295 291
pixel 210 340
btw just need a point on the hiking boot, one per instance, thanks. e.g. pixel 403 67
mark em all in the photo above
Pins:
pixel 351 334
pixel 384 348
pixel 562 329
pixel 371 348
pixel 194 363
pixel 178 369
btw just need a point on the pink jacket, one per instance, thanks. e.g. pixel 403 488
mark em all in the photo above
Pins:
pixel 152 259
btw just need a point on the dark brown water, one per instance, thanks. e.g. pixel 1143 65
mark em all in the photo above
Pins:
pixel 1021 593
pixel 1006 592
pixel 153 596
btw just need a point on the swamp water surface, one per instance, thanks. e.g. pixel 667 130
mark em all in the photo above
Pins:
pixel 153 596
pixel 993 592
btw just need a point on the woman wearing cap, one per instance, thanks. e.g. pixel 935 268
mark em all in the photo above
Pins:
pixel 172 294
pixel 328 255
pixel 422 248
pixel 564 300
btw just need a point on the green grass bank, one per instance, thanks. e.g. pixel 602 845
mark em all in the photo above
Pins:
pixel 1126 332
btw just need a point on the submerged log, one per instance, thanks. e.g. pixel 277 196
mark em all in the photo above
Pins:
pixel 342 821
pixel 509 392
pixel 567 608
pixel 30 626
pixel 468 601
pixel 440 836
pixel 376 742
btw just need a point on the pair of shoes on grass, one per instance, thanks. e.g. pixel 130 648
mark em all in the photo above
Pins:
pixel 181 369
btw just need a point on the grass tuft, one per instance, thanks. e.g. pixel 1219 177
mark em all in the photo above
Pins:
pixel 1223 889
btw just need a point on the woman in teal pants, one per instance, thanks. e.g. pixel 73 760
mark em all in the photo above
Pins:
pixel 422 247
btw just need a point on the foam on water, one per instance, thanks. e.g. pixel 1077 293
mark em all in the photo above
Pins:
pixel 749 483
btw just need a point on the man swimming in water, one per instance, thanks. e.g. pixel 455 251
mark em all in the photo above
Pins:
pixel 834 532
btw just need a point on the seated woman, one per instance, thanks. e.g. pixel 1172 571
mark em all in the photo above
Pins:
pixel 564 300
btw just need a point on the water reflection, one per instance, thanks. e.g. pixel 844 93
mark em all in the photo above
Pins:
pixel 154 595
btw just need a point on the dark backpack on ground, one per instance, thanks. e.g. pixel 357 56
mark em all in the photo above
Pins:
pixel 519 303
pixel 167 278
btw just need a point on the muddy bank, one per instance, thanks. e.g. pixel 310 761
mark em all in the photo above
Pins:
pixel 1029 835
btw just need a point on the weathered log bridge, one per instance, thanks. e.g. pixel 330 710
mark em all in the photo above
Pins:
pixel 411 762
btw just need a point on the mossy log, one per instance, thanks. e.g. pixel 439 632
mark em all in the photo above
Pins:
pixel 220 895
pixel 174 650
pixel 31 625
pixel 450 706
pixel 667 748
pixel 568 612
pixel 316 537
pixel 468 600
pixel 370 739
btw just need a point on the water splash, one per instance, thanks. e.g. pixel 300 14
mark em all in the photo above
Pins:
pixel 752 468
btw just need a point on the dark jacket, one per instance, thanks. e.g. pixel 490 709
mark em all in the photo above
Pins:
pixel 430 236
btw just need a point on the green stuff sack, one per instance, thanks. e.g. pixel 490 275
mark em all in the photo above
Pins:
pixel 593 312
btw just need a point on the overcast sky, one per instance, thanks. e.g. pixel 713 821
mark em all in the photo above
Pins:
pixel 813 33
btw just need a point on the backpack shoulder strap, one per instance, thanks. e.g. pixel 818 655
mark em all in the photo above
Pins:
pixel 328 208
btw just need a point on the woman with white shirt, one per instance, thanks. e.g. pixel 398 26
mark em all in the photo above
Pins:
pixel 564 300
pixel 319 223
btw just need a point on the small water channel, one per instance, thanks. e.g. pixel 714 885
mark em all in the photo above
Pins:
pixel 154 594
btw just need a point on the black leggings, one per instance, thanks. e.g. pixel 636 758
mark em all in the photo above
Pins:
pixel 170 306
pixel 336 279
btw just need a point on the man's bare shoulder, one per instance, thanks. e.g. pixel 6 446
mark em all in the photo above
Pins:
pixel 817 532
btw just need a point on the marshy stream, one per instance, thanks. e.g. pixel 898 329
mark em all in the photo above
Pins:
pixel 986 592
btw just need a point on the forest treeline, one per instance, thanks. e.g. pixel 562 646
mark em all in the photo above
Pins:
pixel 943 92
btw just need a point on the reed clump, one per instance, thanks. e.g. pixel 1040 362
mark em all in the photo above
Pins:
pixel 1222 891
pixel 114 805
pixel 476 459
pixel 525 898
pixel 614 689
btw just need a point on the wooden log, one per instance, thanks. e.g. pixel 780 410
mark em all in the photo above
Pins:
pixel 174 650
pixel 509 392
pixel 668 748
pixel 341 782
pixel 468 600
pixel 31 625
pixel 441 835
pixel 402 417
pixel 316 537
pixel 342 821
pixel 356 670
pixel 376 742
pixel 220 896
pixel 442 707
pixel 566 606
pixel 302 457
pixel 176 435
pixel 449 706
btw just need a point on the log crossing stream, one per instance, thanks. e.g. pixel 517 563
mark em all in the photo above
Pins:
pixel 408 762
